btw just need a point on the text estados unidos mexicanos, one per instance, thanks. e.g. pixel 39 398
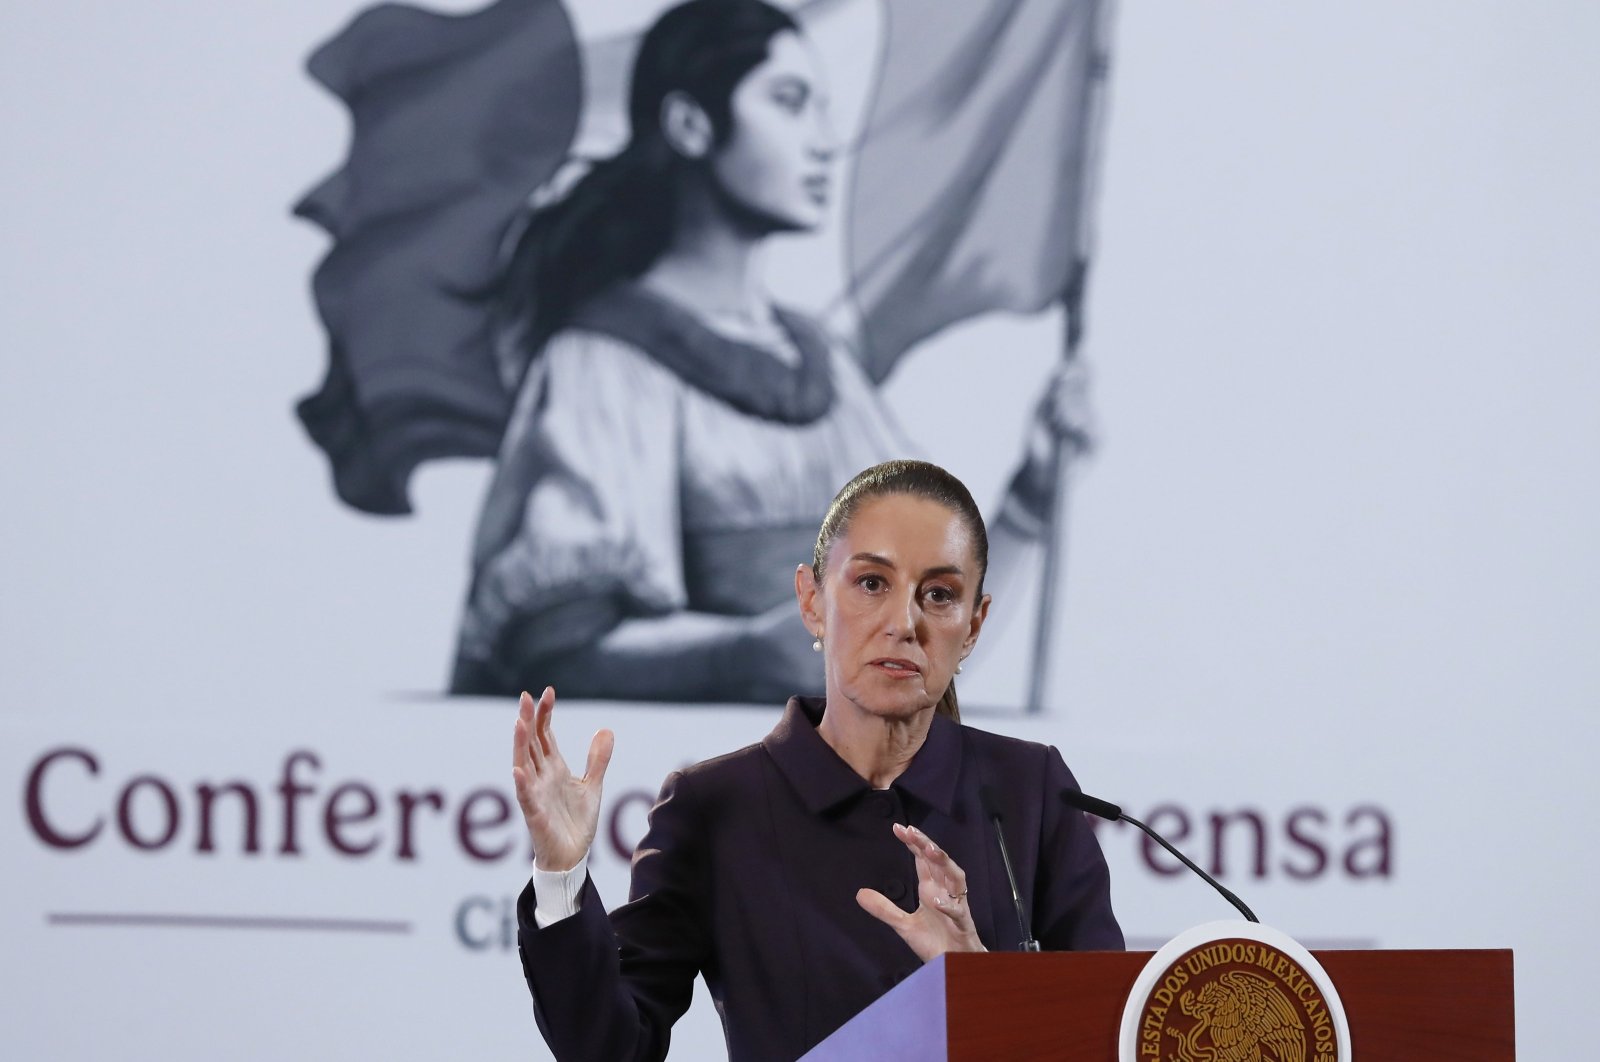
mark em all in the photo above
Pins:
pixel 1266 960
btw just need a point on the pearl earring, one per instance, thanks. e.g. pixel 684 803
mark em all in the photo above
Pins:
pixel 958 669
pixel 816 645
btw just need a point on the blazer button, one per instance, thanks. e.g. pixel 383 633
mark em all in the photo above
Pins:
pixel 885 806
pixel 895 890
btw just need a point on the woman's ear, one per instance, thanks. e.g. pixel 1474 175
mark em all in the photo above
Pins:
pixel 686 126
pixel 979 614
pixel 809 594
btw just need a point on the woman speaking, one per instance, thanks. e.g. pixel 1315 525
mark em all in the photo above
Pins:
pixel 804 876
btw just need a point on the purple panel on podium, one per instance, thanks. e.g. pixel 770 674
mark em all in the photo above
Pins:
pixel 906 1023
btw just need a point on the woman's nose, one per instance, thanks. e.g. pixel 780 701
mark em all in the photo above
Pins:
pixel 904 614
pixel 824 140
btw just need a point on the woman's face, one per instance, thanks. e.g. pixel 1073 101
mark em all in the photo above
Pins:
pixel 776 162
pixel 898 607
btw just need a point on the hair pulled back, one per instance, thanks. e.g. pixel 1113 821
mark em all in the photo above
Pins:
pixel 618 218
pixel 919 479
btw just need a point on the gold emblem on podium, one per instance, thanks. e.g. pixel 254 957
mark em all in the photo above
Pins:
pixel 1234 992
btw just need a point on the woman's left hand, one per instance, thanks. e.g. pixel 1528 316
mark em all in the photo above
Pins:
pixel 1062 429
pixel 942 921
pixel 1064 412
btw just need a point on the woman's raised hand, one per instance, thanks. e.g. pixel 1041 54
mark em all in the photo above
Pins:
pixel 1064 412
pixel 562 812
pixel 943 919
pixel 1062 429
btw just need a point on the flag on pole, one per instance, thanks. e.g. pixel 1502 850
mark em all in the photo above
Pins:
pixel 967 197
pixel 969 191
pixel 455 121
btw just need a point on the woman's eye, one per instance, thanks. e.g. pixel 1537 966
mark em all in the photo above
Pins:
pixel 791 97
pixel 940 595
pixel 871 583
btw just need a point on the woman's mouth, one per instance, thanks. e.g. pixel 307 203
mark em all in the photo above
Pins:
pixel 816 187
pixel 897 667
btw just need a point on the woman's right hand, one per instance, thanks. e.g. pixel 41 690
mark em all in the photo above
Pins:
pixel 562 812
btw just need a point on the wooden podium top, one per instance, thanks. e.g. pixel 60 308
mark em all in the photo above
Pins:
pixel 1402 1006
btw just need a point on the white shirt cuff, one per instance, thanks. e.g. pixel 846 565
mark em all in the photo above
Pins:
pixel 556 892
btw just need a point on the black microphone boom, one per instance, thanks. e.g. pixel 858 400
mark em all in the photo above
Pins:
pixel 1107 810
pixel 991 810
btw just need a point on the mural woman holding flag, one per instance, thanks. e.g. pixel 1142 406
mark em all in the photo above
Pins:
pixel 673 433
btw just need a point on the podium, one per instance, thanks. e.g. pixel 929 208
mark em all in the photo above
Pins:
pixel 1403 1006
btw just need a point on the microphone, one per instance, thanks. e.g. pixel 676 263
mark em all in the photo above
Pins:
pixel 991 810
pixel 1107 810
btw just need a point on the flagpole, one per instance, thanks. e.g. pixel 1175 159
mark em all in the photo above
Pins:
pixel 1055 525
pixel 1060 470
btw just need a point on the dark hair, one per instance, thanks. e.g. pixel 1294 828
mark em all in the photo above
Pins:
pixel 919 479
pixel 618 219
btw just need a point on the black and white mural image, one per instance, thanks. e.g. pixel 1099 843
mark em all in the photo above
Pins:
pixel 561 248
pixel 1329 565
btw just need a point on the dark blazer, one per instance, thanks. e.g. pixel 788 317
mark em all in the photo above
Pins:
pixel 748 875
